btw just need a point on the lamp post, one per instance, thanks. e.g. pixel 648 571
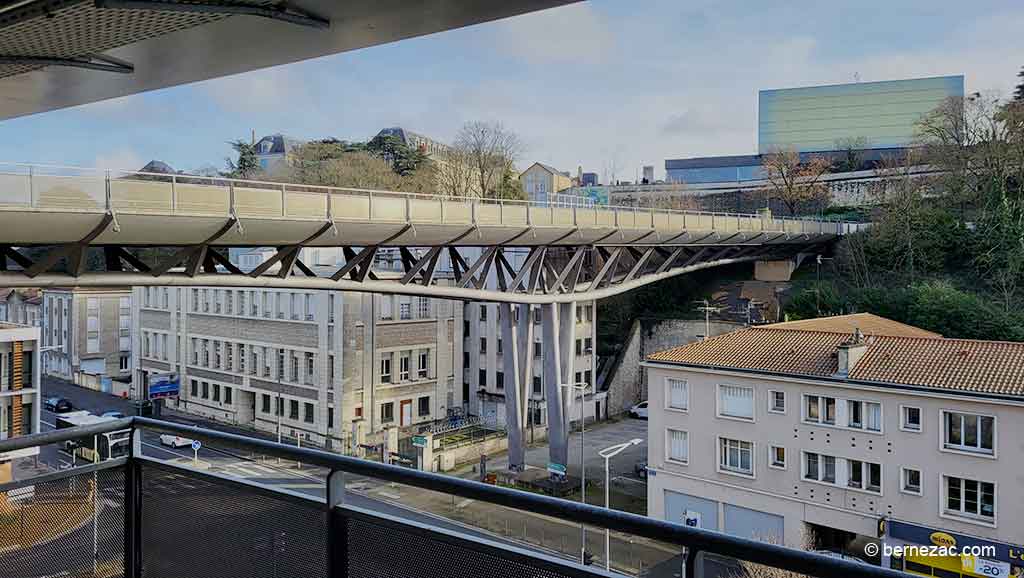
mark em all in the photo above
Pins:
pixel 608 454
pixel 582 388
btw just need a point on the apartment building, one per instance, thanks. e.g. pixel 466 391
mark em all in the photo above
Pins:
pixel 330 367
pixel 19 389
pixel 21 306
pixel 483 372
pixel 87 333
pixel 856 427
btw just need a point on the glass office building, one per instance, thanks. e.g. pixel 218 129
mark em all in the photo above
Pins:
pixel 816 118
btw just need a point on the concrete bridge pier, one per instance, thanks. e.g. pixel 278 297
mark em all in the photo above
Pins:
pixel 559 335
pixel 517 358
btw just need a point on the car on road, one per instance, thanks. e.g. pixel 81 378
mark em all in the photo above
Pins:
pixel 113 414
pixel 639 410
pixel 175 441
pixel 57 405
pixel 841 556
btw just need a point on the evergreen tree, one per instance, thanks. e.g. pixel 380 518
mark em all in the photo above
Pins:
pixel 247 166
pixel 1018 94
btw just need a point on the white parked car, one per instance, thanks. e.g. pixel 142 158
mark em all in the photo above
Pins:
pixel 175 441
pixel 639 410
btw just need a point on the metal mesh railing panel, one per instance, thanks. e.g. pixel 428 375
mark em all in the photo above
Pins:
pixel 72 527
pixel 194 526
pixel 386 551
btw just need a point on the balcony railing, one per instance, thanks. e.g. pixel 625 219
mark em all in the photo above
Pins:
pixel 136 516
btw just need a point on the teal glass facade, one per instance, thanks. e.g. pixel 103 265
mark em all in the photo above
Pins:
pixel 816 118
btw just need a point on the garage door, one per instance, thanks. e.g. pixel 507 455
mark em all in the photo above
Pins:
pixel 678 504
pixel 753 524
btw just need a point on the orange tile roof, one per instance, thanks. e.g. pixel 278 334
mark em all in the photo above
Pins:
pixel 868 323
pixel 994 367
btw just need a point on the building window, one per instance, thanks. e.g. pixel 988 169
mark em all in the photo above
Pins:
pixel 537 386
pixel 678 393
pixel 777 457
pixel 266 403
pixel 483 378
pixel 678 446
pixel 483 345
pixel 385 307
pixel 404 308
pixel 864 415
pixel 309 368
pixel 864 475
pixel 483 312
pixel 124 362
pixel 579 347
pixel 736 456
pixel 969 432
pixel 736 401
pixel 424 406
pixel 814 468
pixel 910 418
pixel 307 412
pixel 195 388
pixel 227 395
pixel 293 409
pixel 538 349
pixel 216 392
pixel 910 481
pixel 588 345
pixel 820 409
pixel 206 390
pixel 423 367
pixel 499 380
pixel 385 368
pixel 387 412
pixel 970 498
pixel 423 306
pixel 777 401
pixel 403 366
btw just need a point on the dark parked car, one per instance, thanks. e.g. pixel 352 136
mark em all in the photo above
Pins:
pixel 57 405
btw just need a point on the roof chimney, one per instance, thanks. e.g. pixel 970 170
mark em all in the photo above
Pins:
pixel 849 353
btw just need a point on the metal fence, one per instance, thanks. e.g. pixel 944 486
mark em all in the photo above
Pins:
pixel 138 517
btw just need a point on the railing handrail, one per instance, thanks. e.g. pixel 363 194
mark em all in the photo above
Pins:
pixel 678 534
pixel 105 173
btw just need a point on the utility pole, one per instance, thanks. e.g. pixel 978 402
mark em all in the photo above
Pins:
pixel 707 308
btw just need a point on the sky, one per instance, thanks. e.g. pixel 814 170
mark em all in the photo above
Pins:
pixel 609 85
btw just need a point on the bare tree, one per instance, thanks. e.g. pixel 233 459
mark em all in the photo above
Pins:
pixel 454 174
pixel 794 182
pixel 753 570
pixel 490 152
pixel 359 170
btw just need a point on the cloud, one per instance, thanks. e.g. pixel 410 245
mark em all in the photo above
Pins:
pixel 260 91
pixel 571 34
pixel 122 159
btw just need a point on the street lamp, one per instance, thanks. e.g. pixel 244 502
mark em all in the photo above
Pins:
pixel 582 388
pixel 608 454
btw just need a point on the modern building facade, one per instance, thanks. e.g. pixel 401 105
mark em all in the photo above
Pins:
pixel 19 389
pixel 881 115
pixel 879 119
pixel 332 368
pixel 841 426
pixel 88 335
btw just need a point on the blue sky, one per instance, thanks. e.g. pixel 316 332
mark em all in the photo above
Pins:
pixel 606 84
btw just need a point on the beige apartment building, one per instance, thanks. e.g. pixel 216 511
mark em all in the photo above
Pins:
pixel 483 384
pixel 333 368
pixel 856 427
pixel 19 390
pixel 87 333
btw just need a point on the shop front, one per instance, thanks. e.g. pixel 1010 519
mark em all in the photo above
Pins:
pixel 926 551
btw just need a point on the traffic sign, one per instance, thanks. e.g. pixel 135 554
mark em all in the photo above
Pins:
pixel 557 469
pixel 196 445
pixel 419 441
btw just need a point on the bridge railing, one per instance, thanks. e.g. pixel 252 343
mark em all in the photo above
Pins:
pixel 75 188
